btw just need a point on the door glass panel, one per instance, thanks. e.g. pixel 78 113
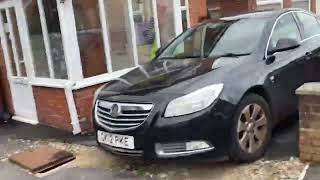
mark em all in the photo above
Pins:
pixel 119 34
pixel 17 42
pixel 144 29
pixel 36 38
pixel 90 37
pixel 9 43
pixel 55 38
pixel 166 21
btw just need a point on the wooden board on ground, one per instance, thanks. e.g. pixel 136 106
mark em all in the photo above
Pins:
pixel 42 159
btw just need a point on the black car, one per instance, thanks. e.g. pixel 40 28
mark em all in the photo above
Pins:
pixel 218 89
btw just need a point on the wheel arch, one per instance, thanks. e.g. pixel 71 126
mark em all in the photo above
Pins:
pixel 261 91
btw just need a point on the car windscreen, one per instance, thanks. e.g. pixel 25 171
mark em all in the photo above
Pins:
pixel 238 37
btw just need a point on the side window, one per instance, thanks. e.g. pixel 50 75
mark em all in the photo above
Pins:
pixel 286 27
pixel 310 25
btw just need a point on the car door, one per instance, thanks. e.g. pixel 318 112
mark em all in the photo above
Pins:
pixel 310 29
pixel 288 69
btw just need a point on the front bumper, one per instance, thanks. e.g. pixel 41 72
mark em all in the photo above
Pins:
pixel 211 125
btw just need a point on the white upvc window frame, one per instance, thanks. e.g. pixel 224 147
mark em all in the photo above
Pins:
pixel 267 2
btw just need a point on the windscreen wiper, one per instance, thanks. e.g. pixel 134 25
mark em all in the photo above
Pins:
pixel 232 55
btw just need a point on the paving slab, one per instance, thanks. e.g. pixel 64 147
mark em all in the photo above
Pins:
pixel 313 172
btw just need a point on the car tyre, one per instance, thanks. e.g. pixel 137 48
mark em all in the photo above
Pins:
pixel 251 129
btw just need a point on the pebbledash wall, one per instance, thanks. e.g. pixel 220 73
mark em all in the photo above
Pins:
pixel 56 53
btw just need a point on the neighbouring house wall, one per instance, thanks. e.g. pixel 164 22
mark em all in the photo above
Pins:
pixel 287 3
pixel 5 86
pixel 197 10
pixel 84 103
pixel 52 107
pixel 309 116
pixel 231 8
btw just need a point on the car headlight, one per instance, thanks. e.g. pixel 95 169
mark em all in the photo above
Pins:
pixel 193 102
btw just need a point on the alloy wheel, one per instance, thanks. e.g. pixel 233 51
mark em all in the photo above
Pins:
pixel 252 128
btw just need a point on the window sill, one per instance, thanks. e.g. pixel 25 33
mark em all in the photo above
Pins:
pixel 87 82
pixel 103 78
pixel 50 83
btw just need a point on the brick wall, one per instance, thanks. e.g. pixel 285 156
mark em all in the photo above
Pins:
pixel 231 8
pixel 52 107
pixel 287 3
pixel 197 10
pixel 309 115
pixel 313 6
pixel 84 102
pixel 6 96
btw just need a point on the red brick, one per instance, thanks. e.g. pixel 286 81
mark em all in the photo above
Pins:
pixel 84 102
pixel 197 11
pixel 52 107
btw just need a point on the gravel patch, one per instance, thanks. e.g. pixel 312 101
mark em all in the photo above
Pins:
pixel 94 157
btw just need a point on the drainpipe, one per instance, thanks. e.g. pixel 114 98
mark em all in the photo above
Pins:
pixel 72 108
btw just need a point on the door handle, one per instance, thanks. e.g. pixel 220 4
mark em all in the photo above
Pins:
pixel 308 55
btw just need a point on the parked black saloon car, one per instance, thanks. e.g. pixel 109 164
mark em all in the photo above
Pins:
pixel 218 89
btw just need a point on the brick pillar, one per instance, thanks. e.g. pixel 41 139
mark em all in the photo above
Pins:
pixel 197 10
pixel 313 6
pixel 287 3
pixel 309 115
pixel 235 7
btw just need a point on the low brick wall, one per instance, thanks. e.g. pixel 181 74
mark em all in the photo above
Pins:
pixel 309 115
pixel 84 103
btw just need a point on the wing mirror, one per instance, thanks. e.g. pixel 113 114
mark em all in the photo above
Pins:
pixel 284 44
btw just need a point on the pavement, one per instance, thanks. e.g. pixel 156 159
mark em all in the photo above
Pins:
pixel 284 146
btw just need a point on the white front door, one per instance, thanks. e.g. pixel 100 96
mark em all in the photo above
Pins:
pixel 21 90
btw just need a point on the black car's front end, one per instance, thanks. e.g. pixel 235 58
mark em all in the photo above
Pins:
pixel 141 128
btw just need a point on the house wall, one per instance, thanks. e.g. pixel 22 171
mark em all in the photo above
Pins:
pixel 197 11
pixel 84 104
pixel 6 96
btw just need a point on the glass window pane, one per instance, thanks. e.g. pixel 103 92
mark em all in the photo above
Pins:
pixel 286 28
pixel 17 42
pixel 36 38
pixel 183 2
pixel 184 20
pixel 55 38
pixel 119 34
pixel 309 24
pixel 166 21
pixel 11 57
pixel 145 30
pixel 303 4
pixel 90 37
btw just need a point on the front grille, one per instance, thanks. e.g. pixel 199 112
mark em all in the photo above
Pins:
pixel 121 116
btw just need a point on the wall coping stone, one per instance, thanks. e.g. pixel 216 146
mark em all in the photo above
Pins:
pixel 312 88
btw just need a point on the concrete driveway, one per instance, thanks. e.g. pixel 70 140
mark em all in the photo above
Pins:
pixel 93 163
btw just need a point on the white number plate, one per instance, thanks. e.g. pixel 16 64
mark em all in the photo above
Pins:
pixel 116 140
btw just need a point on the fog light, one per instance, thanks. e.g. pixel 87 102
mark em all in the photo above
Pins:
pixel 196 145
pixel 168 150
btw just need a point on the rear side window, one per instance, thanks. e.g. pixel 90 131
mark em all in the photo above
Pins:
pixel 286 27
pixel 309 24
